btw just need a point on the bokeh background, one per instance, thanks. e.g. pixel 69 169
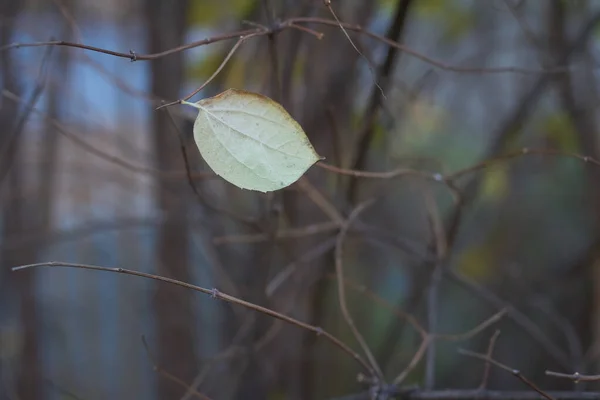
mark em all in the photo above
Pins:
pixel 93 174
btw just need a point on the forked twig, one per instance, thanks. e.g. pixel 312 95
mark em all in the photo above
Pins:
pixel 427 338
pixel 514 372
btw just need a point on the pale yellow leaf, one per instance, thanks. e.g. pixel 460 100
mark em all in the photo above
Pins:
pixel 251 141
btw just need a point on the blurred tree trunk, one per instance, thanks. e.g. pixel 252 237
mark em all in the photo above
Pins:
pixel 327 87
pixel 16 290
pixel 578 99
pixel 166 25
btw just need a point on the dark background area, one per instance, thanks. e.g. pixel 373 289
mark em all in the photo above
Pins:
pixel 91 173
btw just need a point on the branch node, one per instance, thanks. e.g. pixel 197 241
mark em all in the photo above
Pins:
pixel 133 56
pixel 214 293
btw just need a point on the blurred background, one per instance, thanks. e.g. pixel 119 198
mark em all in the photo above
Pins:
pixel 91 173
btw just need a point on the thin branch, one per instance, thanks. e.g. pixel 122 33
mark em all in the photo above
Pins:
pixel 414 360
pixel 304 29
pixel 132 55
pixel 472 394
pixel 489 353
pixel 292 233
pixel 217 71
pixel 441 249
pixel 170 376
pixel 517 154
pixel 373 73
pixel 428 338
pixel 320 200
pixel 427 59
pixel 384 74
pixel 575 377
pixel 95 151
pixel 438 177
pixel 273 56
pixel 378 175
pixel 307 257
pixel 514 372
pixel 515 315
pixel 339 268
pixel 293 23
pixel 479 328
pixel 214 293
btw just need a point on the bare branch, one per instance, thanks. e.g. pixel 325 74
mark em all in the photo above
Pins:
pixel 514 372
pixel 429 60
pixel 132 55
pixel 576 376
pixel 214 293
pixel 217 71
pixel 339 267
pixel 170 376
pixel 489 354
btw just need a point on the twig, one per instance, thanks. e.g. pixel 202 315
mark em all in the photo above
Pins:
pixel 479 328
pixel 428 338
pixel 414 360
pixel 373 73
pixel 62 390
pixel 518 317
pixel 514 372
pixel 95 151
pixel 520 153
pixel 132 55
pixel 292 23
pixel 384 74
pixel 320 200
pixel 339 268
pixel 214 293
pixel 273 56
pixel 475 394
pixel 170 376
pixel 318 35
pixel 436 63
pixel 576 376
pixel 377 175
pixel 438 177
pixel 292 233
pixel 217 71
pixel 486 368
pixel 441 246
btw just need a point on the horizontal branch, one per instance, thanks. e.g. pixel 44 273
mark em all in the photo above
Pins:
pixel 474 394
pixel 132 55
pixel 293 23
